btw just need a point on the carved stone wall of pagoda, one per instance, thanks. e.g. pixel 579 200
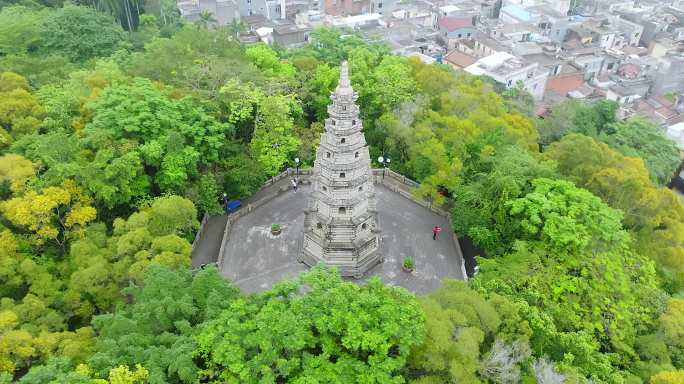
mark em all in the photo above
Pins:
pixel 341 225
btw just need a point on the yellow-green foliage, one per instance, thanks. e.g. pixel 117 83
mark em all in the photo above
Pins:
pixel 51 213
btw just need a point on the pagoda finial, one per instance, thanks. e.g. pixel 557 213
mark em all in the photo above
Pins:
pixel 344 75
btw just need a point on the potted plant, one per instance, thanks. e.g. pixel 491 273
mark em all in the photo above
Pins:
pixel 276 229
pixel 408 265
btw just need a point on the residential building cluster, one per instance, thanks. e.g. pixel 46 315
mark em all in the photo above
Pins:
pixel 631 52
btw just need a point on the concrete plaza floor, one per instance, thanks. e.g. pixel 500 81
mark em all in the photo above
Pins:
pixel 254 259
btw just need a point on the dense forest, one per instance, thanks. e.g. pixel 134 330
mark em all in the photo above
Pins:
pixel 121 125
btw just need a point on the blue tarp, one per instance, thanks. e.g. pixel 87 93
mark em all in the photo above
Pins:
pixel 233 205
pixel 517 11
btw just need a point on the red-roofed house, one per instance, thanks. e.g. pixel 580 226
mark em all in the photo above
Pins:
pixel 564 84
pixel 454 28
pixel 459 60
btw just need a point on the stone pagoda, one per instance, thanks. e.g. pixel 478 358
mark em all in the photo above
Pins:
pixel 341 221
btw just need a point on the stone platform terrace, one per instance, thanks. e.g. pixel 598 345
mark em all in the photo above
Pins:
pixel 254 259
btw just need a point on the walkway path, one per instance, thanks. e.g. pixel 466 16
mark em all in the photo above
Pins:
pixel 209 243
pixel 254 259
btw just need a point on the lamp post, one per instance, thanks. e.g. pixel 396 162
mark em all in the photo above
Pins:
pixel 297 165
pixel 385 163
pixel 225 202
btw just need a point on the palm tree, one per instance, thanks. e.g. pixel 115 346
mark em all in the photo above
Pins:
pixel 127 12
pixel 206 19
pixel 236 26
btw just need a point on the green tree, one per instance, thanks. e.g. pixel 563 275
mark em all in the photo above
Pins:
pixel 671 323
pixel 31 332
pixel 480 208
pixel 577 117
pixel 20 29
pixel 175 136
pixel 517 99
pixel 241 176
pixel 20 110
pixel 62 370
pixel 207 195
pixel 101 264
pixel 333 45
pixel 394 83
pixel 52 214
pixel 64 102
pixel 460 323
pixel 670 377
pixel 80 33
pixel 148 29
pixel 206 20
pixel 641 138
pixel 38 69
pixel 317 329
pixel 56 370
pixel 157 328
pixel 15 172
pixel 267 60
pixel 165 11
pixel 317 89
pixel 274 141
pixel 585 308
pixel 127 12
pixel 566 218
pixel 654 215
pixel 240 103
pixel 199 61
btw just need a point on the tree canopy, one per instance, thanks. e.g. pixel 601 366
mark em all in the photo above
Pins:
pixel 317 329
pixel 122 125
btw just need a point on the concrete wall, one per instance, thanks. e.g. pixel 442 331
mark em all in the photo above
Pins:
pixel 226 12
pixel 590 65
pixel 383 7
pixel 670 75
pixel 253 7
pixel 291 39
pixel 631 30
pixel 451 39
pixel 346 7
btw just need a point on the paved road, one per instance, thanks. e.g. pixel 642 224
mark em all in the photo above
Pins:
pixel 254 259
pixel 209 243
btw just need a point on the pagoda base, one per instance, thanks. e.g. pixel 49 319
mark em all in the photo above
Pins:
pixel 350 260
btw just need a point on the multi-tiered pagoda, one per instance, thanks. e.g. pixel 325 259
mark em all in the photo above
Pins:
pixel 340 225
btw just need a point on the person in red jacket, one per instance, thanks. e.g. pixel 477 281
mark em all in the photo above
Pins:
pixel 435 232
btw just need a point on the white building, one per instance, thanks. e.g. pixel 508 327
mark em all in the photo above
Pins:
pixel 676 134
pixel 508 70
pixel 226 11
pixel 223 11
pixel 357 21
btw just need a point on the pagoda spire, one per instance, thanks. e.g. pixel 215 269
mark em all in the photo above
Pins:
pixel 344 76
pixel 341 226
